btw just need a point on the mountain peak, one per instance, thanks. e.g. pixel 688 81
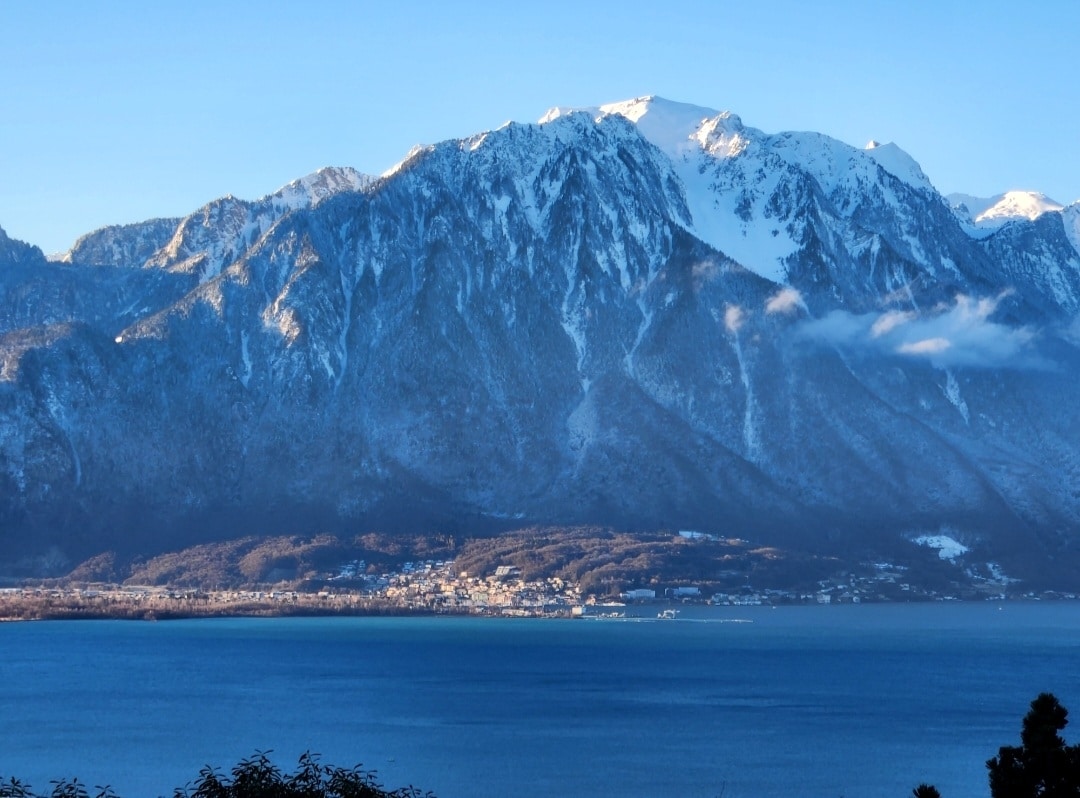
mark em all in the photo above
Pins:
pixel 990 213
pixel 678 127
pixel 651 105
pixel 674 127
pixel 898 163
pixel 312 189
pixel 15 252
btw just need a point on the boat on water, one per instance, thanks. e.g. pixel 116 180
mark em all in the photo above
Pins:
pixel 667 615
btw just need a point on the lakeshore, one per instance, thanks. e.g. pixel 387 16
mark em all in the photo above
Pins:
pixel 434 588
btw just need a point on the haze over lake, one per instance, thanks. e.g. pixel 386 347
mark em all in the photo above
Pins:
pixel 861 700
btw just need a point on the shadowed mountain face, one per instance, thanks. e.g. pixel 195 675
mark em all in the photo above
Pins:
pixel 641 315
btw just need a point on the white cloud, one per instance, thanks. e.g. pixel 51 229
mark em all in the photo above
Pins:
pixel 786 300
pixel 960 334
pixel 734 318
pixel 887 322
pixel 927 346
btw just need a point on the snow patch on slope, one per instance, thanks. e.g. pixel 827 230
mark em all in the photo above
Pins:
pixel 751 439
pixel 952 393
pixel 948 548
pixel 694 139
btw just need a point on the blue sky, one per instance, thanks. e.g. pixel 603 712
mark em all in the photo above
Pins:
pixel 114 112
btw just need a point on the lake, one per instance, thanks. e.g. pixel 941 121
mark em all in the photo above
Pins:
pixel 865 700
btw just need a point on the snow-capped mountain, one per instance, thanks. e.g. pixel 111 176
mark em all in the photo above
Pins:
pixel 642 314
pixel 983 215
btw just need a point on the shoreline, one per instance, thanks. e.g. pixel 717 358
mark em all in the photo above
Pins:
pixel 15 612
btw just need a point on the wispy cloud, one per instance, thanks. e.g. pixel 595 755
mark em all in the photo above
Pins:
pixel 960 334
pixel 786 300
pixel 927 346
pixel 734 318
pixel 887 322
pixel 704 272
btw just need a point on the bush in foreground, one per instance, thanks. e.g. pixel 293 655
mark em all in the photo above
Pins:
pixel 256 777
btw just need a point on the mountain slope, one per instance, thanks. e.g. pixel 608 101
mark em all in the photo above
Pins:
pixel 645 314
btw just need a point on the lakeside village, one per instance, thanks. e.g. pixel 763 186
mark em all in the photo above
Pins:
pixel 433 587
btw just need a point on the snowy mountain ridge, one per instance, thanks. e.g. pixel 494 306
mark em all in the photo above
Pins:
pixel 163 243
pixel 642 314
pixel 730 172
pixel 982 216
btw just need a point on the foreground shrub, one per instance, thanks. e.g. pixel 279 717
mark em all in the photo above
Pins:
pixel 255 777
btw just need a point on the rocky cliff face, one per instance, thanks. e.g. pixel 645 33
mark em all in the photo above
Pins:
pixel 642 315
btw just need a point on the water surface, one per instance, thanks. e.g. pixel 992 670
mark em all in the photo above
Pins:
pixel 804 701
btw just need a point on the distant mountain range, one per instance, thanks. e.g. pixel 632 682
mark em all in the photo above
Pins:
pixel 641 315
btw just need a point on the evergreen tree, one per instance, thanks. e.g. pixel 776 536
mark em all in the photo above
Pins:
pixel 1042 766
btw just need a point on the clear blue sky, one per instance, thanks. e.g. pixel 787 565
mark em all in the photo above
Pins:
pixel 114 112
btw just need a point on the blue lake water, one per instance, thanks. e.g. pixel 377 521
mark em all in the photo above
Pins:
pixel 804 701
